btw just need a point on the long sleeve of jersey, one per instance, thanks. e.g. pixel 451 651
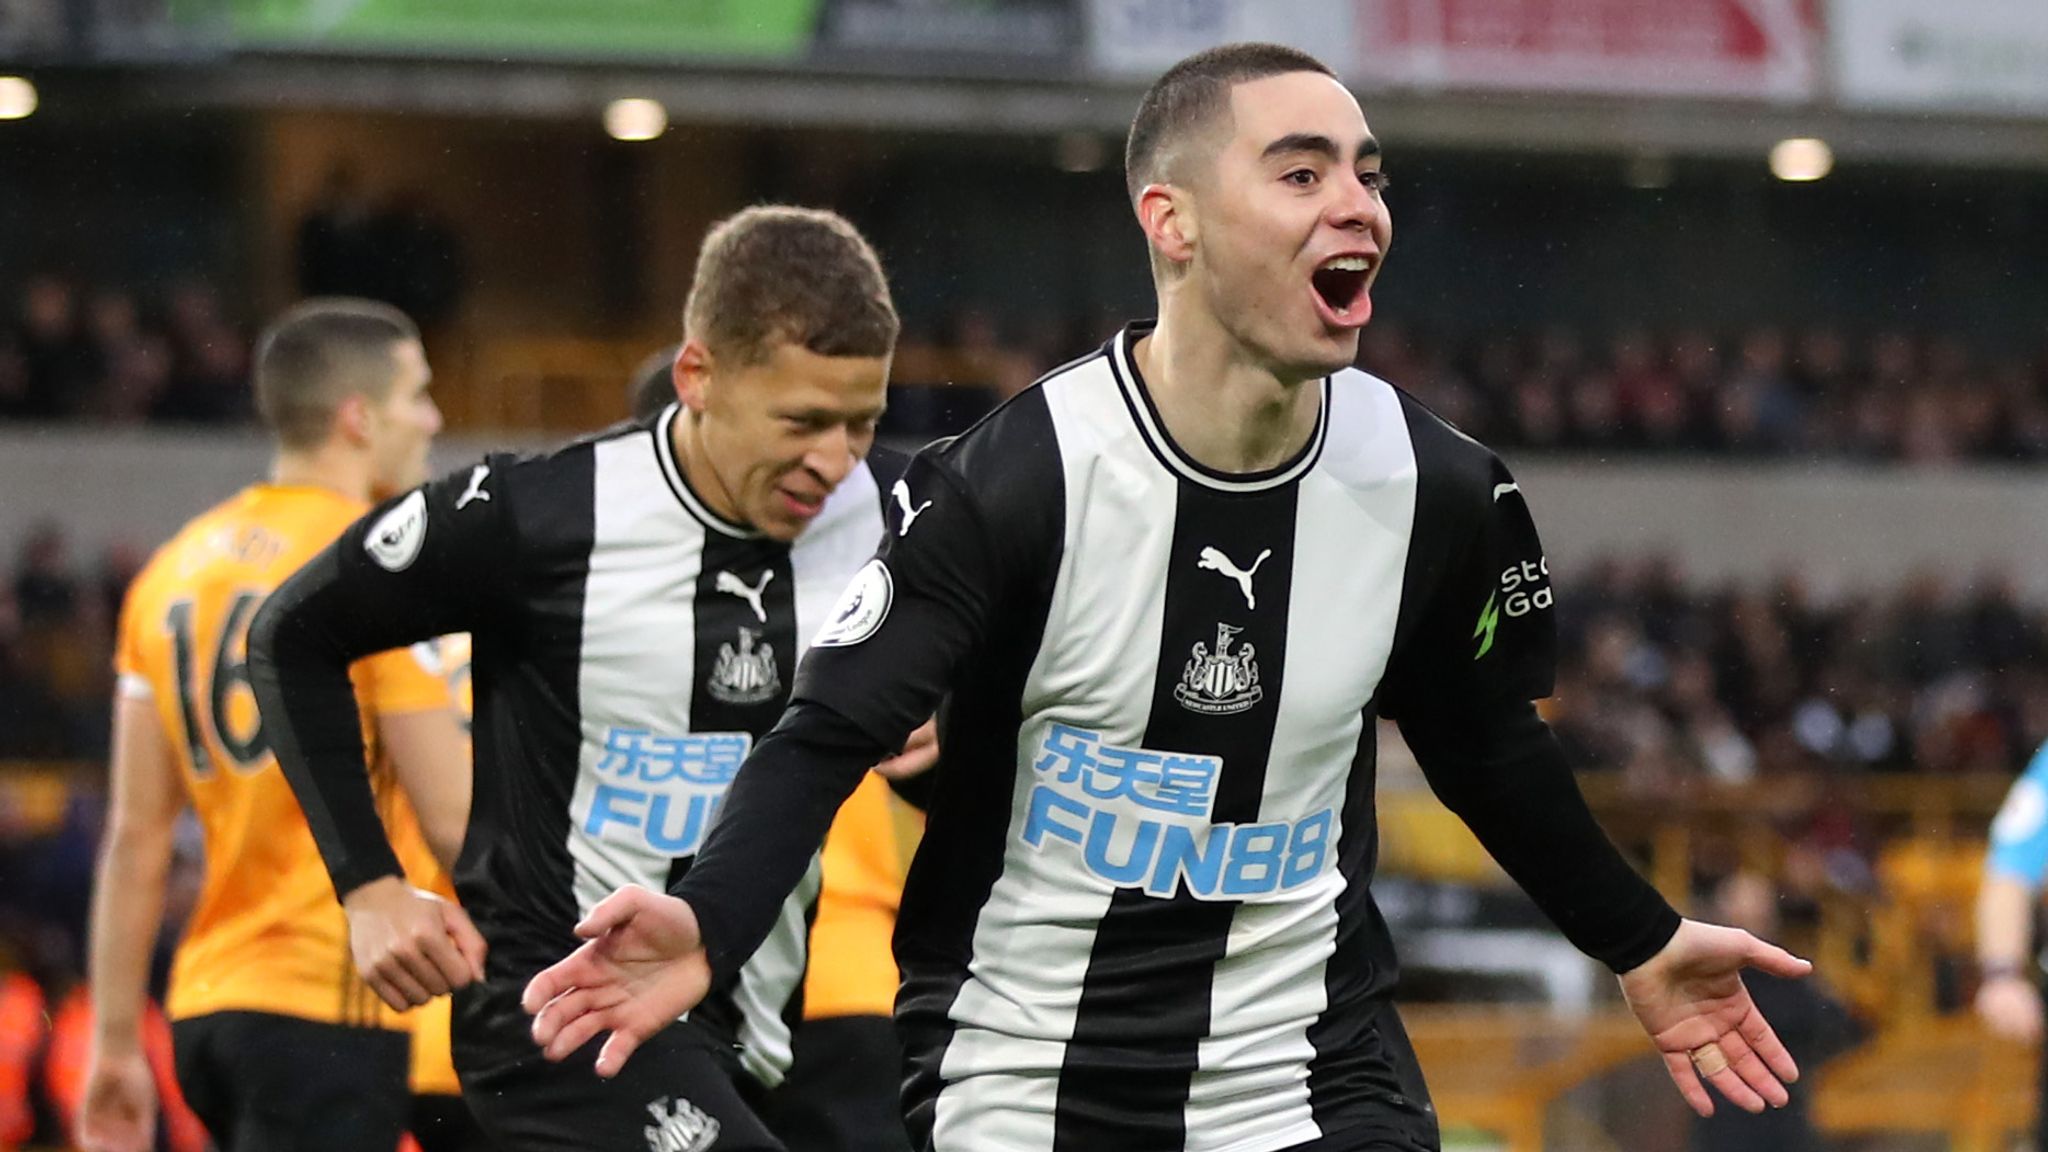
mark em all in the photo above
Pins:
pixel 1504 774
pixel 420 566
pixel 875 673
pixel 775 816
pixel 1460 688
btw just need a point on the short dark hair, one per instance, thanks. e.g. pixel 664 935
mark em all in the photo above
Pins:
pixel 1192 93
pixel 652 386
pixel 802 276
pixel 319 353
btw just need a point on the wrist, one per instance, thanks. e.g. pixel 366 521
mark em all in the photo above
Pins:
pixel 116 1043
pixel 1990 970
pixel 370 890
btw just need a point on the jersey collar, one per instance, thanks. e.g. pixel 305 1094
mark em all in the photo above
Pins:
pixel 672 471
pixel 1139 401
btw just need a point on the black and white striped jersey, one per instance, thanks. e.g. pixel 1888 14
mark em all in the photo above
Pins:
pixel 629 648
pixel 1140 916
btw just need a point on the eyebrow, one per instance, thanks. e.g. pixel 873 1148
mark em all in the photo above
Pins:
pixel 1319 144
pixel 833 415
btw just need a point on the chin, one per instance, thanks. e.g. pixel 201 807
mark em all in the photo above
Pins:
pixel 1341 349
pixel 1322 362
pixel 1314 353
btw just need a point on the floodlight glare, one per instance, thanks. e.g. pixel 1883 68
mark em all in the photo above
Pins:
pixel 17 98
pixel 1801 158
pixel 635 119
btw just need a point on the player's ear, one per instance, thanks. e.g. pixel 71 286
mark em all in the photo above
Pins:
pixel 352 418
pixel 693 374
pixel 1168 218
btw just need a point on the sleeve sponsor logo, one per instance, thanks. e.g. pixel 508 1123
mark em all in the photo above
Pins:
pixel 1524 588
pixel 659 793
pixel 862 607
pixel 1142 819
pixel 394 540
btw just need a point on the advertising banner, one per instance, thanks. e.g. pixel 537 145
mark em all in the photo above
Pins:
pixel 973 29
pixel 1141 38
pixel 563 28
pixel 1742 49
pixel 1974 55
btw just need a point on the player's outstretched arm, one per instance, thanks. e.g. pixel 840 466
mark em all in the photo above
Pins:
pixel 1502 772
pixel 1691 1000
pixel 120 1103
pixel 643 965
pixel 1462 696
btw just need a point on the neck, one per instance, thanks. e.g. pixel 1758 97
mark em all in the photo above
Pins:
pixel 332 466
pixel 686 437
pixel 1220 406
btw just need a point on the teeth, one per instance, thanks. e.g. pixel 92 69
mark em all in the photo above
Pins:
pixel 1348 264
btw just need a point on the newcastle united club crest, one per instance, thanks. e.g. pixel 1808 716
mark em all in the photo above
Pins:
pixel 745 675
pixel 1220 683
pixel 680 1127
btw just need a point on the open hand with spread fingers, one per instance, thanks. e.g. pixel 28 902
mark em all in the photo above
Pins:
pixel 642 967
pixel 1691 1000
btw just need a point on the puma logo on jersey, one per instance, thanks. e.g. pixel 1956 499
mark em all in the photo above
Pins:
pixel 1500 490
pixel 679 1127
pixel 901 492
pixel 475 491
pixel 727 582
pixel 1213 560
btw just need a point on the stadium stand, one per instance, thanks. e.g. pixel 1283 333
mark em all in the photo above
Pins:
pixel 105 357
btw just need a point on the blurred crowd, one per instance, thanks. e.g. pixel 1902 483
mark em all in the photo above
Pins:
pixel 56 642
pixel 112 356
pixel 1816 394
pixel 1662 679
pixel 109 356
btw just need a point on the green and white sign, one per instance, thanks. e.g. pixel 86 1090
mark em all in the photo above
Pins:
pixel 754 28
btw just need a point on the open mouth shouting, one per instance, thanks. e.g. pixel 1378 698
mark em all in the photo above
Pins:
pixel 1340 287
